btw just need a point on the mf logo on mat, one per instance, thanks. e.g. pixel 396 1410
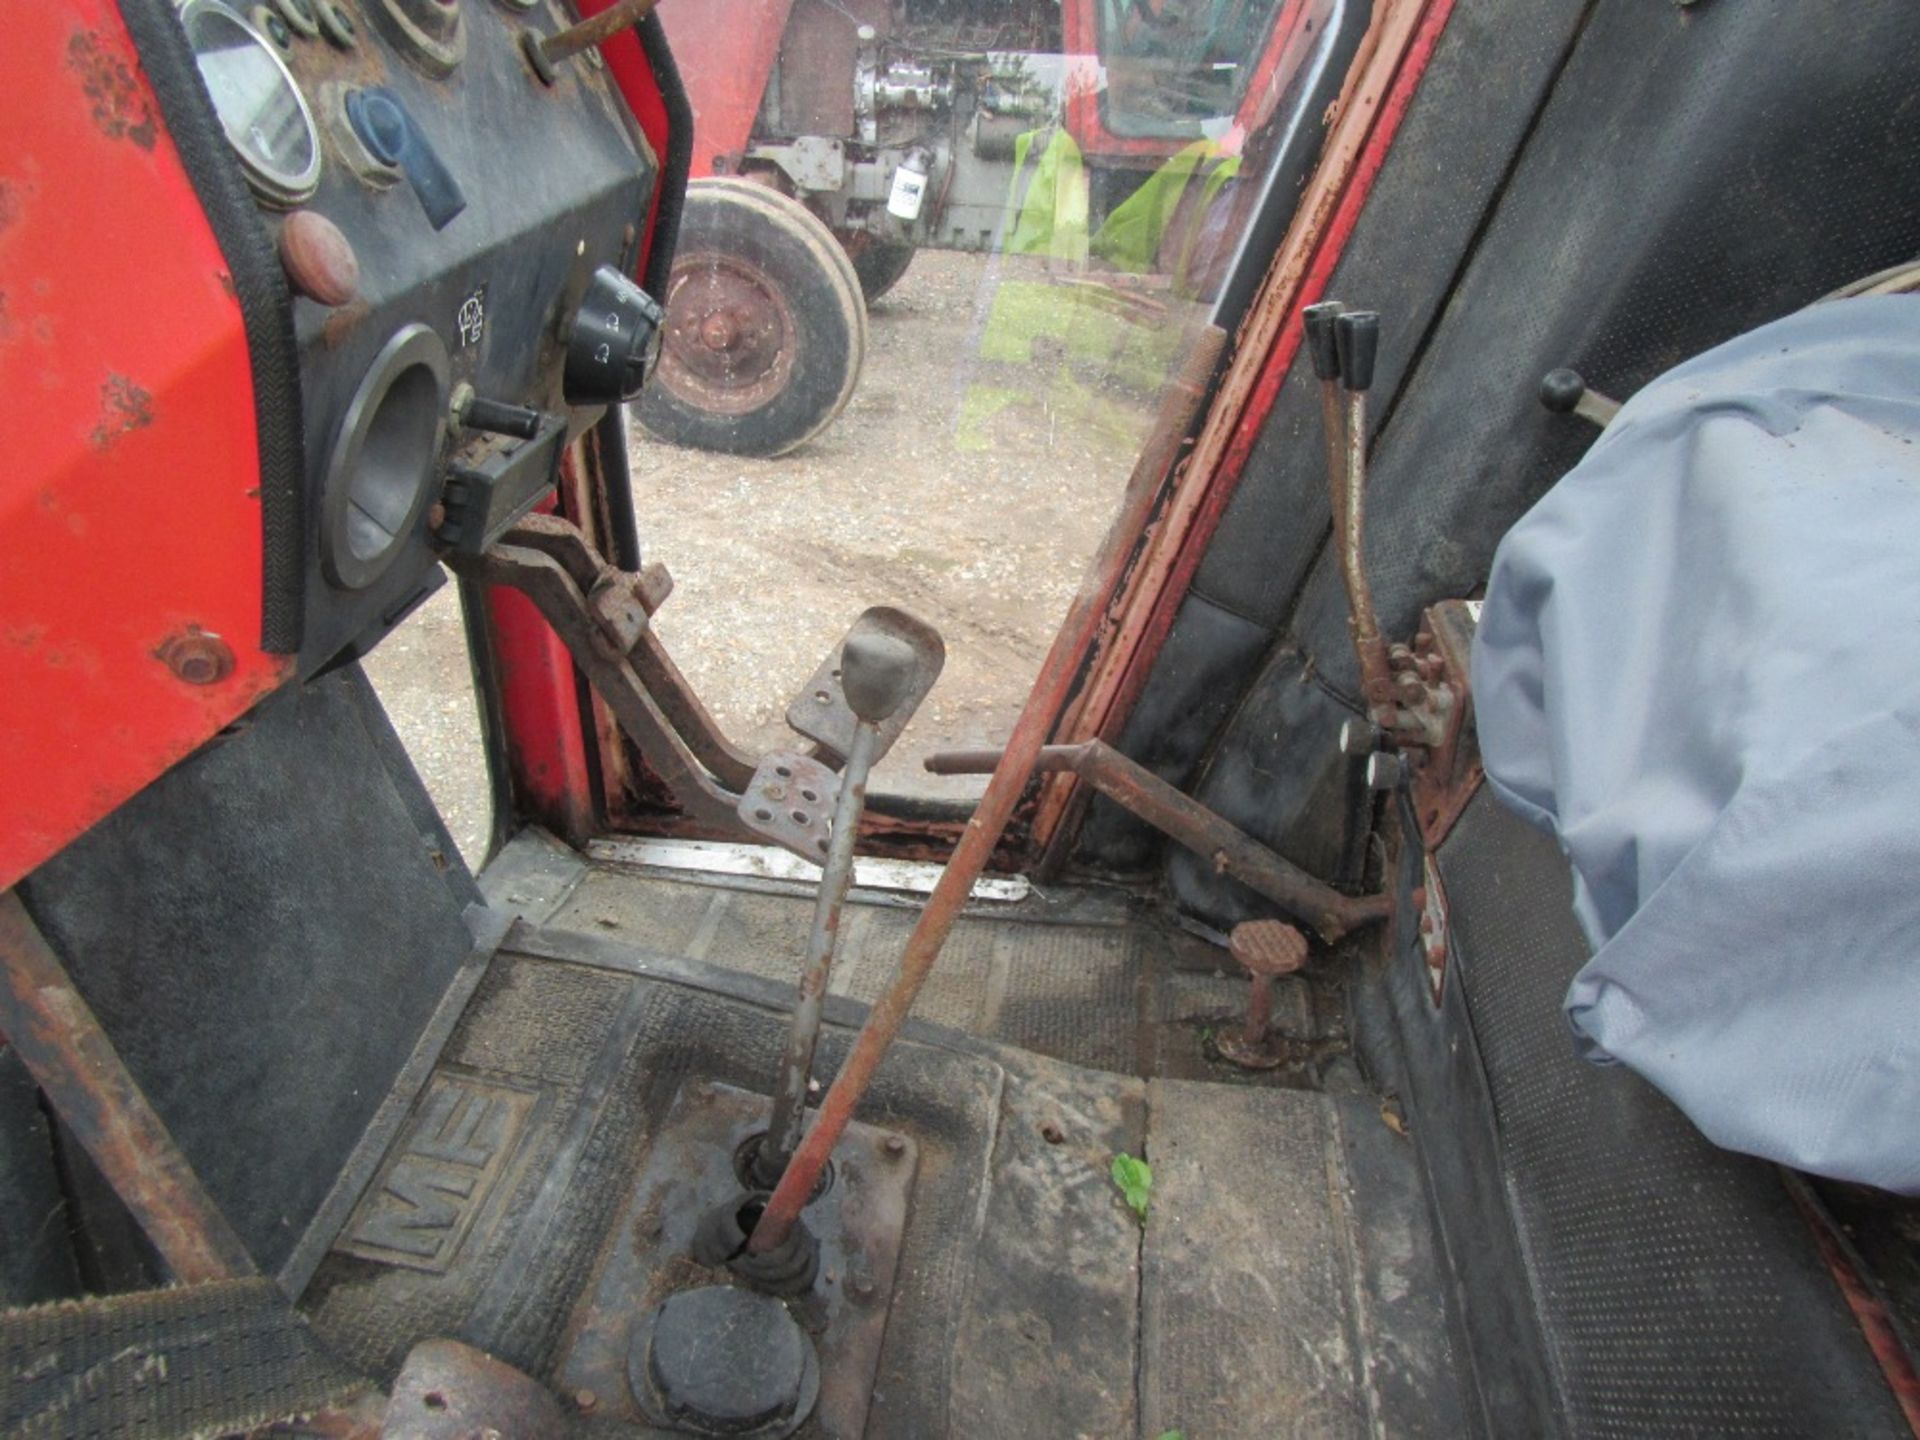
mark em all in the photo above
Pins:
pixel 439 1174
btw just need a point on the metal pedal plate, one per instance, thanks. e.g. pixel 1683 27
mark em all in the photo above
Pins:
pixel 790 801
pixel 859 1219
pixel 821 713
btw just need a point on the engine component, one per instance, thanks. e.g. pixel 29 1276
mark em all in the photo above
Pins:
pixel 765 328
pixel 266 118
pixel 380 478
pixel 614 340
pixel 909 190
pixel 911 85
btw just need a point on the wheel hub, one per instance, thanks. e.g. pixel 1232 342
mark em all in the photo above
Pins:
pixel 729 335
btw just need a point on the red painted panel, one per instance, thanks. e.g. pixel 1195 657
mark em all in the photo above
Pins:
pixel 129 511
pixel 725 50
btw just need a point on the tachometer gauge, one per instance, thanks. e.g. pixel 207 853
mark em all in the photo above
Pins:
pixel 266 118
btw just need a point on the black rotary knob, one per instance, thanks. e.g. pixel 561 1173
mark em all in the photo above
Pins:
pixel 614 342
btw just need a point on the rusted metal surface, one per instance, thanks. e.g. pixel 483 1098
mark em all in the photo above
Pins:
pixel 789 1101
pixel 1876 1325
pixel 1062 806
pixel 547 52
pixel 1370 649
pixel 1381 83
pixel 450 1391
pixel 56 1035
pixel 564 543
pixel 1446 768
pixel 729 345
pixel 790 801
pixel 563 605
pixel 692 1168
pixel 1266 949
pixel 882 676
pixel 1185 820
pixel 971 853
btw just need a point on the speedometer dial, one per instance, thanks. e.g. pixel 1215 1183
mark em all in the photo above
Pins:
pixel 265 116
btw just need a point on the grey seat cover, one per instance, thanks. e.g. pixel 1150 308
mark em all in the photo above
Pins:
pixel 1698 666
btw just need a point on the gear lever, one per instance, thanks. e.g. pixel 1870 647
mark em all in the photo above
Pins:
pixel 877 676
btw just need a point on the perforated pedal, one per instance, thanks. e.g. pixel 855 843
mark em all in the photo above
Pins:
pixel 790 801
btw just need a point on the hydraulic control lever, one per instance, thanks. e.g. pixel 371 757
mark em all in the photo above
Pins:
pixel 1323 349
pixel 1566 392
pixel 1415 696
pixel 1357 340
pixel 878 671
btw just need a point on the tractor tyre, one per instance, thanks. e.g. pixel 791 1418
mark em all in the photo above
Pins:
pixel 765 330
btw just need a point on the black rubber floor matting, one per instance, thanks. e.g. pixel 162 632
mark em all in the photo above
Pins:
pixel 1677 1290
pixel 1019 1303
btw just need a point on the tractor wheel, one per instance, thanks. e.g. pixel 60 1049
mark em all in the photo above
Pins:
pixel 765 331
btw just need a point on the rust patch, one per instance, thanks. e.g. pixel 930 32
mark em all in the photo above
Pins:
pixel 10 203
pixel 121 110
pixel 124 406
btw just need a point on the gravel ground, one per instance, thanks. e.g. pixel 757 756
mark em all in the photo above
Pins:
pixel 968 481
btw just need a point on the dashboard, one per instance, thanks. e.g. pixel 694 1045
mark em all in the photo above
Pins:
pixel 457 230
pixel 297 297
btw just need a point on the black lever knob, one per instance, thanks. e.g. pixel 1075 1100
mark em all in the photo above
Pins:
pixel 1322 345
pixel 1358 335
pixel 381 122
pixel 614 341
pixel 1561 390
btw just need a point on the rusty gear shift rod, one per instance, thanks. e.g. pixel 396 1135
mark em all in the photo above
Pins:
pixel 877 673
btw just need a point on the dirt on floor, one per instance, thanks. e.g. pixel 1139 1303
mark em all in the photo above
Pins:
pixel 968 481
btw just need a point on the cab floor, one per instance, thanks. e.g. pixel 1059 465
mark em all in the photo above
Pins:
pixel 1283 1283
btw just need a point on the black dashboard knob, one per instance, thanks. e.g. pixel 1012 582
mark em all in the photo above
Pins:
pixel 614 341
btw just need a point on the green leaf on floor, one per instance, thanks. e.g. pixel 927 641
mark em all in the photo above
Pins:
pixel 1135 1179
pixel 1172 1435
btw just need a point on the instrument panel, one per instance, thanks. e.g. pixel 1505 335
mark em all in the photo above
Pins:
pixel 296 298
pixel 444 206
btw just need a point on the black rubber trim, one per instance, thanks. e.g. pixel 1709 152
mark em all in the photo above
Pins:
pixel 677 163
pixel 616 479
pixel 266 309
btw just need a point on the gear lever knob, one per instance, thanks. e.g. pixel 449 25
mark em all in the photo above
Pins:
pixel 877 674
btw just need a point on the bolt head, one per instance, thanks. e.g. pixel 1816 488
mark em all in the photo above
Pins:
pixel 197 657
pixel 894 1146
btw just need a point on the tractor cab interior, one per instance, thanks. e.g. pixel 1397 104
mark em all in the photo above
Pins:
pixel 1490 668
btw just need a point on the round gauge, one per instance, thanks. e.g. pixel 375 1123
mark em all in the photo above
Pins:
pixel 260 107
